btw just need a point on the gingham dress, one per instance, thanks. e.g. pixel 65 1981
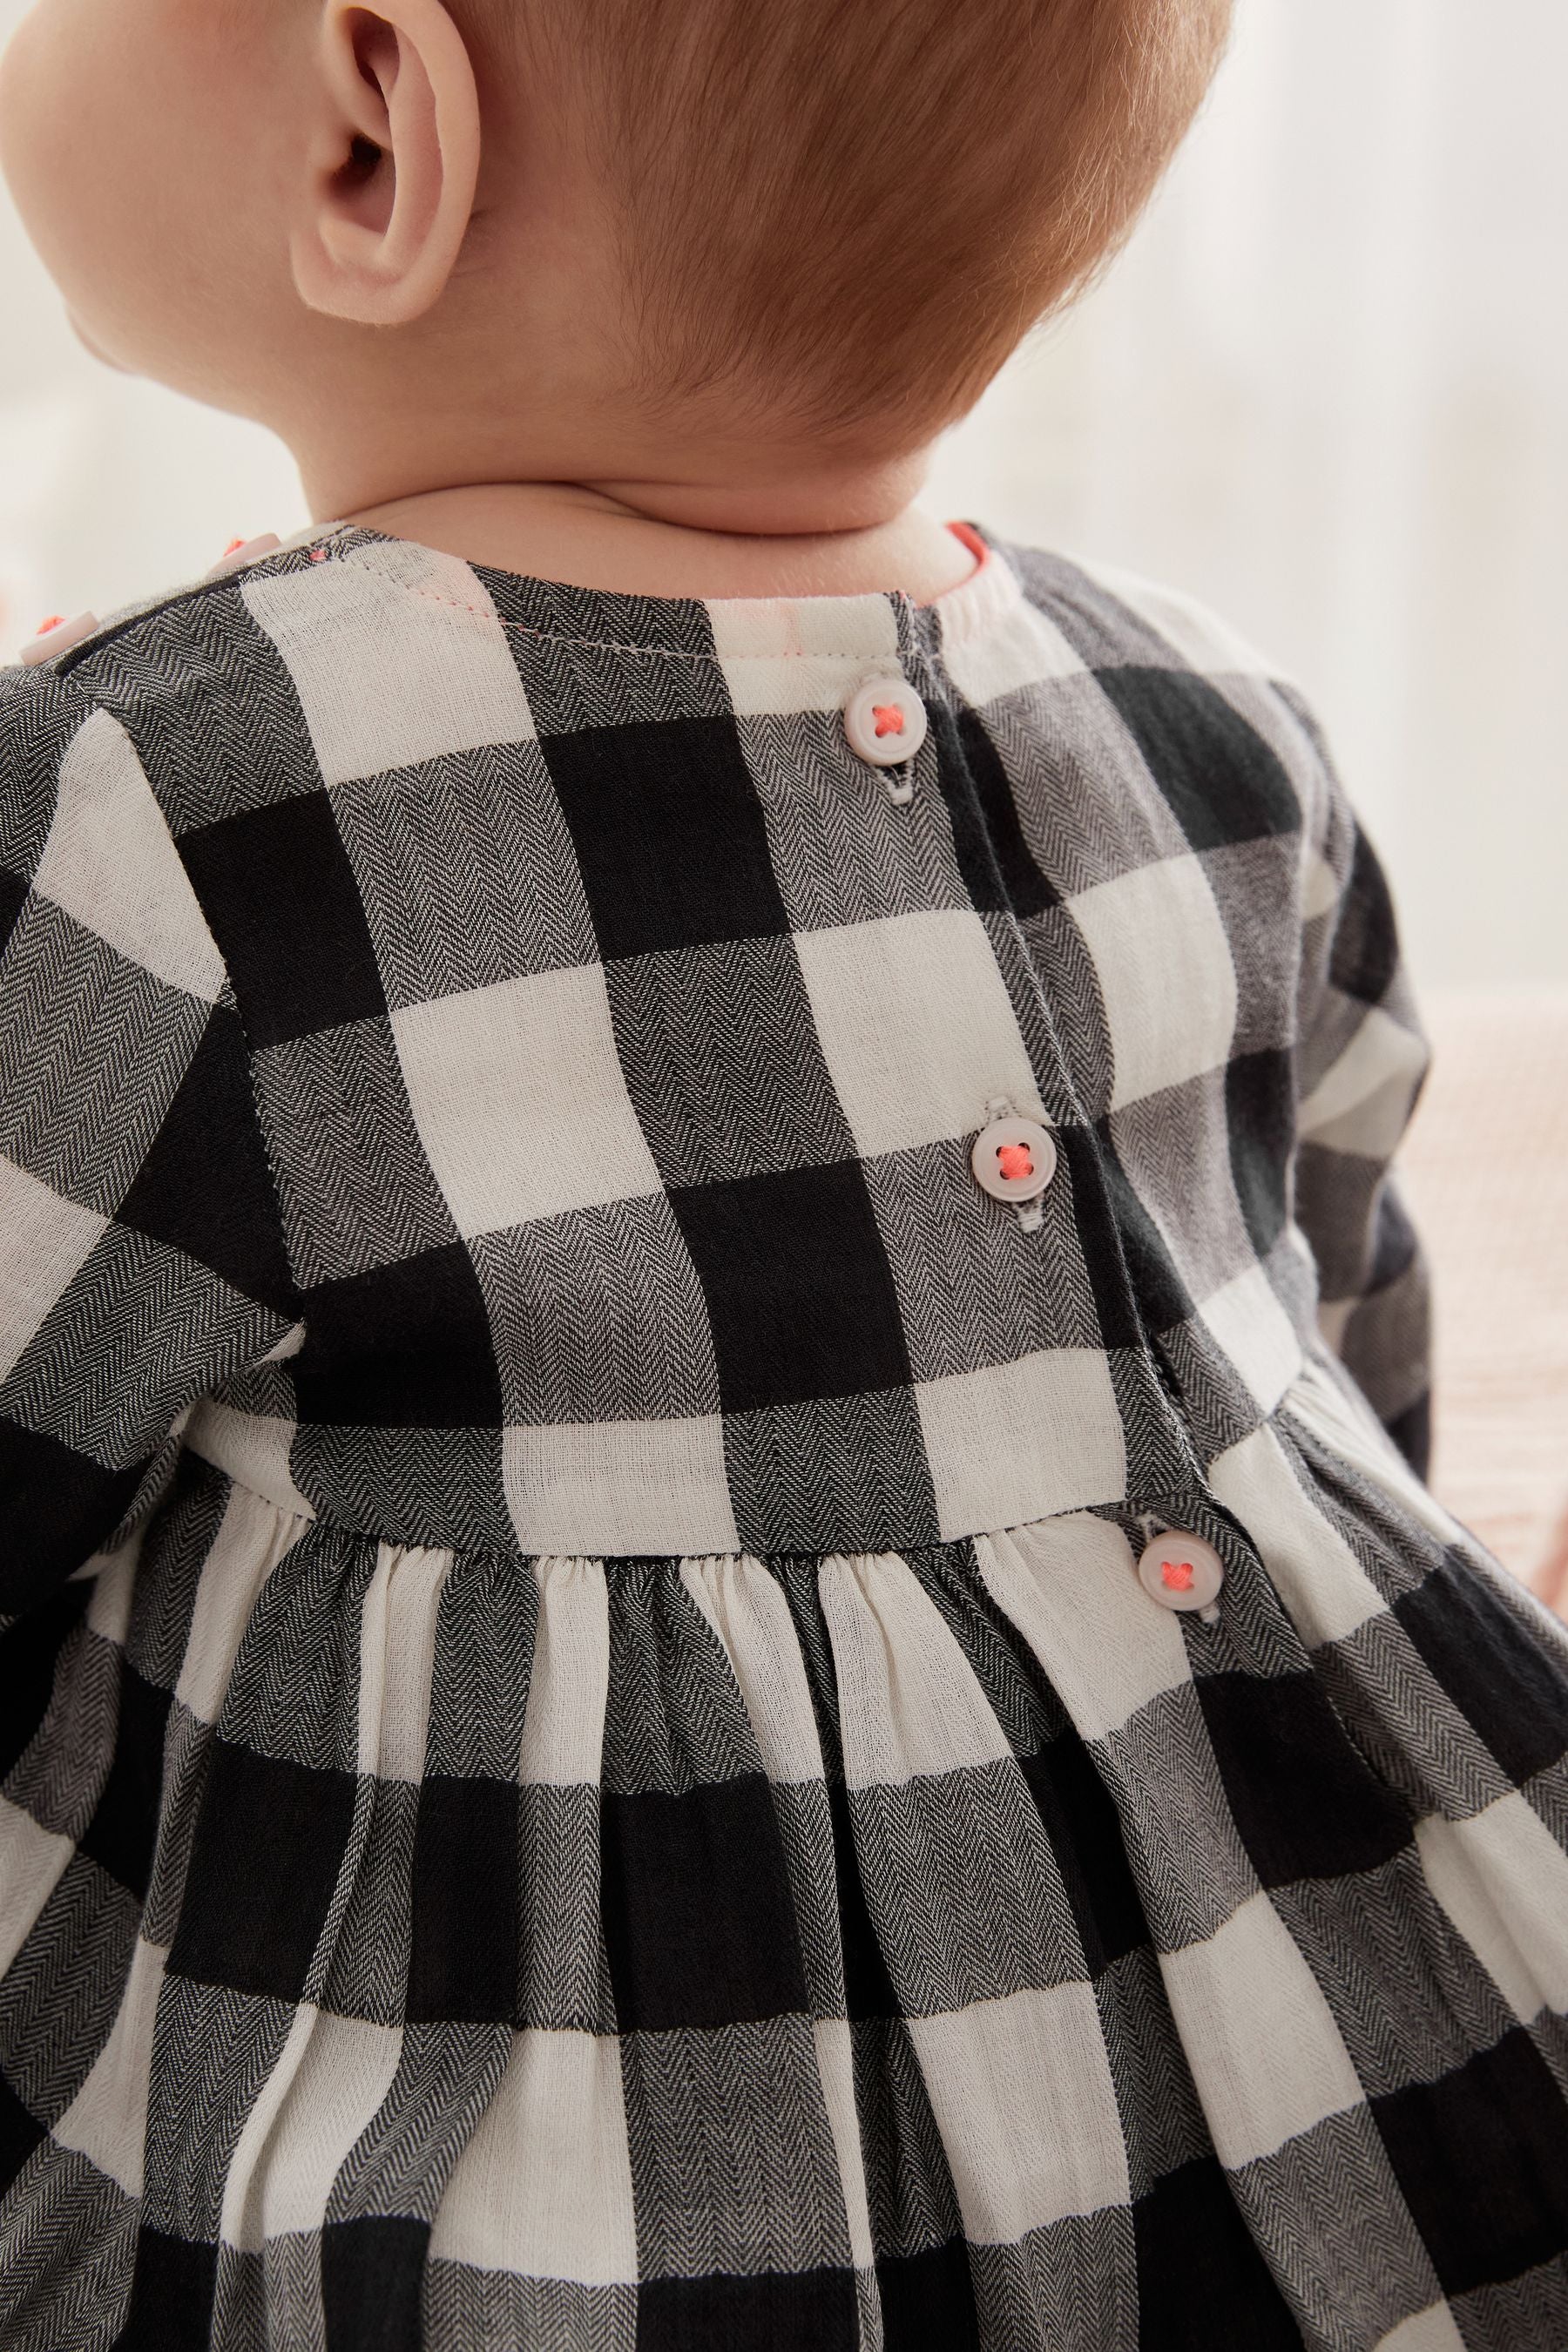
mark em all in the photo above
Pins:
pixel 587 1766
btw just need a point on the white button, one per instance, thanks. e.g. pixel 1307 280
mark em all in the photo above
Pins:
pixel 1181 1570
pixel 52 641
pixel 1014 1158
pixel 886 721
pixel 248 551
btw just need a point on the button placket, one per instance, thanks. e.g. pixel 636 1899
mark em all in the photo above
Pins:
pixel 1170 1461
pixel 885 724
pixel 1013 1159
pixel 1181 1570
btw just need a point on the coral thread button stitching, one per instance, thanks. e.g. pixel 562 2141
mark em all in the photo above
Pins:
pixel 55 636
pixel 1014 1158
pixel 1181 1571
pixel 885 721
pixel 241 551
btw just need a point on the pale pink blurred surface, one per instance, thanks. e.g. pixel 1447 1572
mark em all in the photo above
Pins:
pixel 1485 1172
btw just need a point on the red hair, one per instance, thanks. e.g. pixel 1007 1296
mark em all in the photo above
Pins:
pixel 846 214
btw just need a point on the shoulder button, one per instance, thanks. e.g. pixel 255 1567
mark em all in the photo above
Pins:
pixel 241 551
pixel 55 636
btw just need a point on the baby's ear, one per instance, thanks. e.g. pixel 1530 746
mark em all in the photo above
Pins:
pixel 391 161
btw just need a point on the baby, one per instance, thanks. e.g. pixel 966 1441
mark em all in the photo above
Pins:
pixel 721 1625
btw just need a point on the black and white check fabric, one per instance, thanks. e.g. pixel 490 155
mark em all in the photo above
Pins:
pixel 585 1764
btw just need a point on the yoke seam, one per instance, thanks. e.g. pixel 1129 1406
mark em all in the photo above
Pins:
pixel 611 645
pixel 1194 1489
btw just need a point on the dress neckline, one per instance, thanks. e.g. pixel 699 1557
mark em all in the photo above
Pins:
pixel 727 628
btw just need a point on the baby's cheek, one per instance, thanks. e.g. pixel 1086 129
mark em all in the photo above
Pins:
pixel 71 130
pixel 122 159
pixel 24 106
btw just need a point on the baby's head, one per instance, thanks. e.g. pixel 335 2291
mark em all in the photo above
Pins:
pixel 772 242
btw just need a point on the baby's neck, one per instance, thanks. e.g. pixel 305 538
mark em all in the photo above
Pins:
pixel 626 537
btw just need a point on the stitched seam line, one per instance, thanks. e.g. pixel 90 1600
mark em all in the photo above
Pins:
pixel 1171 1504
pixel 348 557
pixel 610 645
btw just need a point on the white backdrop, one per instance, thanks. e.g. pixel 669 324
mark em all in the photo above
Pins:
pixel 1324 388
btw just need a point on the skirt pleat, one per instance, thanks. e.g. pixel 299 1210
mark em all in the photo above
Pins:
pixel 404 1949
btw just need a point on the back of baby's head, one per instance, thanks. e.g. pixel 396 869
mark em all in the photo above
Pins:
pixel 852 210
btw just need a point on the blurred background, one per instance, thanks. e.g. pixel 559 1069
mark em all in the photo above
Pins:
pixel 1324 388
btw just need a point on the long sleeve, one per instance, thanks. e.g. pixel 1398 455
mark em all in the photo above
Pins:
pixel 1361 1061
pixel 140 1255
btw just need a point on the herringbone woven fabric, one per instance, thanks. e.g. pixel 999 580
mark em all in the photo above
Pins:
pixel 585 1761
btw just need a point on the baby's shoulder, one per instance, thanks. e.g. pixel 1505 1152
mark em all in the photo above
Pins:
pixel 64 644
pixel 1226 732
pixel 96 906
pixel 293 669
pixel 185 681
pixel 1119 616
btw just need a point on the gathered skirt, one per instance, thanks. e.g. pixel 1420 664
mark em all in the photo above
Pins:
pixel 405 1948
